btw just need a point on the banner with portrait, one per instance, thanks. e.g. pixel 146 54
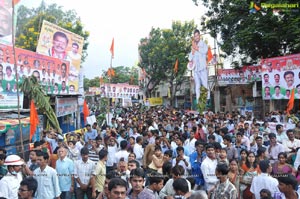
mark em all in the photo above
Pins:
pixel 49 71
pixel 6 22
pixel 122 90
pixel 280 75
pixel 243 75
pixel 65 106
pixel 60 43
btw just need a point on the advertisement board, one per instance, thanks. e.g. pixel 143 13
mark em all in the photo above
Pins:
pixel 280 75
pixel 155 101
pixel 60 43
pixel 7 22
pixel 244 75
pixel 66 106
pixel 49 71
pixel 124 90
pixel 9 101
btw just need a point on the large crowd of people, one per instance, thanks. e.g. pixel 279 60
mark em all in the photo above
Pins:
pixel 161 153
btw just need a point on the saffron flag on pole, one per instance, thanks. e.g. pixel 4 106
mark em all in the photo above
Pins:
pixel 34 120
pixel 86 111
pixel 111 72
pixel 112 48
pixel 209 55
pixel 290 104
pixel 176 66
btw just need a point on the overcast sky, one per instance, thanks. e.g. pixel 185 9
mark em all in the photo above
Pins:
pixel 126 21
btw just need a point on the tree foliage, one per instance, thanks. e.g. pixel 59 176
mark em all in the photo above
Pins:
pixel 123 75
pixel 250 36
pixel 159 52
pixel 34 91
pixel 29 23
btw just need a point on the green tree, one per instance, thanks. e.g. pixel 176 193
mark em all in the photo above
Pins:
pixel 29 24
pixel 122 75
pixel 95 82
pixel 159 52
pixel 250 36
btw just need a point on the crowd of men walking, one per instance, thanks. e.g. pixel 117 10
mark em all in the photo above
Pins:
pixel 160 154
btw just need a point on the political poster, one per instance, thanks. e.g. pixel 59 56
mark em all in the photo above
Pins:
pixel 57 42
pixel 50 72
pixel 280 75
pixel 7 22
pixel 244 75
pixel 122 90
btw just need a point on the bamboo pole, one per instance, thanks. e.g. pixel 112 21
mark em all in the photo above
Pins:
pixel 17 79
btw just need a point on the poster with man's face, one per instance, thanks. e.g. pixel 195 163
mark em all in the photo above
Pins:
pixel 280 76
pixel 60 43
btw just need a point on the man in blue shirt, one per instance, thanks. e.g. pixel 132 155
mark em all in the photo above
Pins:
pixel 48 185
pixel 196 159
pixel 65 171
pixel 90 134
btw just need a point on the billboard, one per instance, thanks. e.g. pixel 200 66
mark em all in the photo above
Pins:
pixel 50 72
pixel 66 106
pixel 280 75
pixel 244 75
pixel 57 42
pixel 6 24
pixel 123 90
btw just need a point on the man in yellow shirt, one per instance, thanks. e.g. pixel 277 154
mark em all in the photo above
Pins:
pixel 100 173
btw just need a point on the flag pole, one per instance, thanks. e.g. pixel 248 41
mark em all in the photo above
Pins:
pixel 110 76
pixel 109 83
pixel 17 81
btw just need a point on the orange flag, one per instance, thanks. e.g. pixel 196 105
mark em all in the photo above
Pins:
pixel 290 104
pixel 86 111
pixel 111 72
pixel 112 48
pixel 34 120
pixel 209 55
pixel 176 66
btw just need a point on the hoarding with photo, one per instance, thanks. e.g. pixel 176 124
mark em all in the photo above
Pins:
pixel 6 15
pixel 49 71
pixel 280 75
pixel 60 43
pixel 244 75
pixel 122 90
pixel 66 106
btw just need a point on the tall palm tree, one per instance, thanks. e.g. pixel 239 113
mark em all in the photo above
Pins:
pixel 33 90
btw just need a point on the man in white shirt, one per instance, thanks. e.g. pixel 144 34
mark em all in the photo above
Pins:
pixel 280 134
pixel 83 170
pixel 138 150
pixel 135 133
pixel 123 153
pixel 291 144
pixel 168 191
pixel 208 167
pixel 274 148
pixel 10 183
pixel 190 142
pixel 112 150
pixel 245 141
pixel 277 94
pixel 264 180
pixel 289 79
pixel 182 160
